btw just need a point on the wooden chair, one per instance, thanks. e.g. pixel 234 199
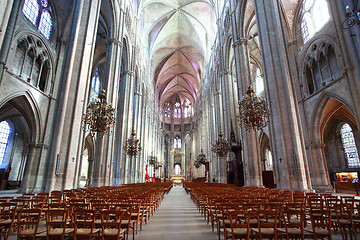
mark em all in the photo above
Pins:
pixel 111 225
pixel 7 218
pixel 320 223
pixel 266 224
pixel 293 218
pixel 344 219
pixel 84 224
pixel 56 224
pixel 239 224
pixel 28 223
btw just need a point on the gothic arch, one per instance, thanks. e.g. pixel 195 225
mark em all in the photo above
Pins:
pixel 24 105
pixel 325 107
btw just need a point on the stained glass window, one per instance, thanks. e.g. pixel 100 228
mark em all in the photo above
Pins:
pixel 177 110
pixel 259 82
pixel 187 110
pixel 31 10
pixel 349 146
pixel 5 131
pixel 167 110
pixel 177 142
pixel 315 15
pixel 45 24
pixel 96 83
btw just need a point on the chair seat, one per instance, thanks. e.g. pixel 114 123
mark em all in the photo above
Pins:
pixel 318 231
pixel 5 222
pixel 291 231
pixel 31 231
pixel 59 231
pixel 264 231
pixel 86 231
pixel 113 232
pixel 238 231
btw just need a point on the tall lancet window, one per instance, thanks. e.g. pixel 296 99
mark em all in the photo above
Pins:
pixel 315 14
pixel 5 131
pixel 177 110
pixel 96 82
pixel 39 14
pixel 349 145
pixel 177 142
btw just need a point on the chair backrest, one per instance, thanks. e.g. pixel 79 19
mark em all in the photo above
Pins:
pixel 28 218
pixel 56 219
pixel 240 219
pixel 267 219
pixel 111 219
pixel 84 219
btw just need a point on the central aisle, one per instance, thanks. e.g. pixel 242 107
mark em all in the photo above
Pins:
pixel 177 218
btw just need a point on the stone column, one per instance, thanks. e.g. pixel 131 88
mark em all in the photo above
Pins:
pixel 251 150
pixel 286 135
pixel 73 93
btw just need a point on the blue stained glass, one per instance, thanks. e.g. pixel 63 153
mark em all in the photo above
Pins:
pixel 5 131
pixel 31 10
pixel 45 24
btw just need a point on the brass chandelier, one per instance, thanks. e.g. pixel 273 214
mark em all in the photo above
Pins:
pixel 132 145
pixel 99 116
pixel 352 17
pixel 221 147
pixel 254 111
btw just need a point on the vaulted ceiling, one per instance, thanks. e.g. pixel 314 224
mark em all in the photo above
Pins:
pixel 179 35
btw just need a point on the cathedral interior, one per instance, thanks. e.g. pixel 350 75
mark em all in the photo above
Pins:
pixel 175 74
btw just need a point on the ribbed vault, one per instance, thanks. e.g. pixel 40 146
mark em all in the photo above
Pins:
pixel 179 35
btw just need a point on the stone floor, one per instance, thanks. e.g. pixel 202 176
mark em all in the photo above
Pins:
pixel 177 218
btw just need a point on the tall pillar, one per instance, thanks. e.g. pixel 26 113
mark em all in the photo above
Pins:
pixel 73 94
pixel 251 150
pixel 286 135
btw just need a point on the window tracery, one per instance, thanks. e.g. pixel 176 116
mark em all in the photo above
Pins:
pixel 315 14
pixel 31 62
pixel 321 66
pixel 32 9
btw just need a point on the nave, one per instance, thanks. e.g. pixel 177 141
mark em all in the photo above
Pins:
pixel 177 218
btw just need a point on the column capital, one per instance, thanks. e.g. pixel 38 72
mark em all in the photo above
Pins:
pixel 129 72
pixel 226 72
pixel 113 40
pixel 241 41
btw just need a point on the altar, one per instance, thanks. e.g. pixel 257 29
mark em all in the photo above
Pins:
pixel 177 178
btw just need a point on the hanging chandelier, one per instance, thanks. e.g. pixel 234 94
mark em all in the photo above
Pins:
pixel 221 147
pixel 99 116
pixel 201 159
pixel 352 17
pixel 132 145
pixel 254 111
pixel 152 159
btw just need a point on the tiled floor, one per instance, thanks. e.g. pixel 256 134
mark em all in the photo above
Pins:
pixel 177 218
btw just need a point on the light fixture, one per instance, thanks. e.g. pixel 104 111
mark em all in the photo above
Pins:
pixel 152 159
pixel 254 111
pixel 221 147
pixel 352 17
pixel 99 116
pixel 132 145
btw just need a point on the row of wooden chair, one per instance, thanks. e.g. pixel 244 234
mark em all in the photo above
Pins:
pixel 92 213
pixel 241 212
